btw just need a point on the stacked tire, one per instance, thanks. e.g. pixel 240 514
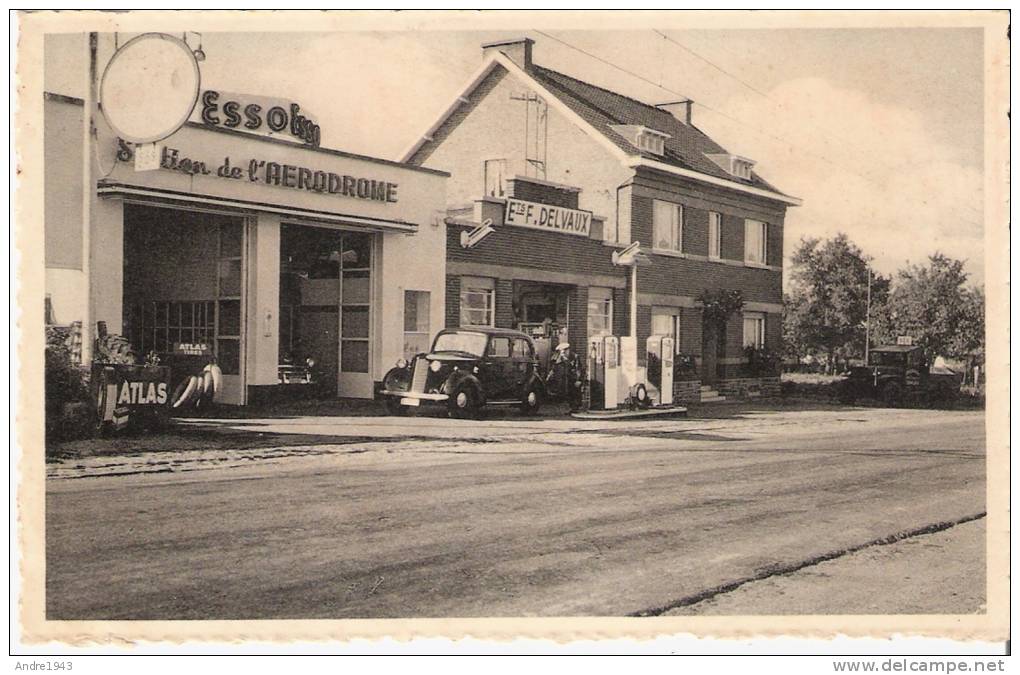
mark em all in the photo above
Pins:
pixel 198 391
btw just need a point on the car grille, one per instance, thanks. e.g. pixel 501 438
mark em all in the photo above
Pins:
pixel 421 372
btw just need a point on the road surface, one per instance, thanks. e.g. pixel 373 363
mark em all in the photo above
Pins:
pixel 442 518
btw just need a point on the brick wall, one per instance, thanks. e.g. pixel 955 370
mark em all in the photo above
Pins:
pixel 690 331
pixel 577 322
pixel 525 247
pixel 522 188
pixel 504 303
pixel 687 391
pixel 695 231
pixel 452 301
pixel 672 275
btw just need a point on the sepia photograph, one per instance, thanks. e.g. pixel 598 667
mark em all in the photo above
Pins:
pixel 698 316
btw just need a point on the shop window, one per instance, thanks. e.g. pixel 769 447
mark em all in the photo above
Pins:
pixel 157 326
pixel 416 323
pixel 231 240
pixel 477 301
pixel 754 329
pixel 495 177
pixel 714 235
pixel 755 241
pixel 666 321
pixel 600 311
pixel 667 225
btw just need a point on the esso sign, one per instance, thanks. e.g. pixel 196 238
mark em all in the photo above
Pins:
pixel 256 114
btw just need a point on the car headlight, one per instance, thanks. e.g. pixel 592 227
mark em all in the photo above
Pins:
pixel 401 363
pixel 434 366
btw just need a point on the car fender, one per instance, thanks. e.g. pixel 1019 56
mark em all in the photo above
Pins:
pixel 458 378
pixel 397 372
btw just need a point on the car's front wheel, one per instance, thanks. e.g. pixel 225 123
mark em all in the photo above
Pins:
pixel 464 402
pixel 531 401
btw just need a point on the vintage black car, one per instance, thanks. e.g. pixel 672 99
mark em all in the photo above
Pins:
pixel 467 369
pixel 900 374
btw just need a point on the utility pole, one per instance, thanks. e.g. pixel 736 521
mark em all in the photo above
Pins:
pixel 867 321
pixel 88 196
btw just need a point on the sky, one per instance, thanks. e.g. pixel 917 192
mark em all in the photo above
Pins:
pixel 879 131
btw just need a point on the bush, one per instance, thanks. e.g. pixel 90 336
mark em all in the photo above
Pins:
pixel 685 368
pixel 70 410
pixel 761 362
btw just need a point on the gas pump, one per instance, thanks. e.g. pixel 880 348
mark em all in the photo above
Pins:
pixel 603 371
pixel 660 368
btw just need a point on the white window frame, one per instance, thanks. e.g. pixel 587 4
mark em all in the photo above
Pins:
pixel 676 225
pixel 714 235
pixel 499 166
pixel 424 321
pixel 481 286
pixel 754 329
pixel 756 255
pixel 600 298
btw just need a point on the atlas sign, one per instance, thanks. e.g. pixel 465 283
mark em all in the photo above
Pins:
pixel 547 217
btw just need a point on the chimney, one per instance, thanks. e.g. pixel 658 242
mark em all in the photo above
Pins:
pixel 679 109
pixel 517 50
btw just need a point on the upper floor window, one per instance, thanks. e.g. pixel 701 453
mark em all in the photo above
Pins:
pixel 714 235
pixel 755 241
pixel 754 329
pixel 735 165
pixel 495 177
pixel 642 137
pixel 667 226
pixel 477 301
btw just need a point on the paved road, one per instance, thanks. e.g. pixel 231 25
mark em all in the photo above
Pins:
pixel 498 519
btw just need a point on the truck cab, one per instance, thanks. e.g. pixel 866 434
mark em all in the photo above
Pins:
pixel 897 373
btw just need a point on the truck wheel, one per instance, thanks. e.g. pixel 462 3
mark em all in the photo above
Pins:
pixel 892 394
pixel 532 401
pixel 394 407
pixel 463 403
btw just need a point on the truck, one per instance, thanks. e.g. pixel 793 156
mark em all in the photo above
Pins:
pixel 899 375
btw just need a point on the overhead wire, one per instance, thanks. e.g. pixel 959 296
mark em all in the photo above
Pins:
pixel 721 113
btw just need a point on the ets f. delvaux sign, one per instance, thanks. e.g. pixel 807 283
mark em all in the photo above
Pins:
pixel 546 217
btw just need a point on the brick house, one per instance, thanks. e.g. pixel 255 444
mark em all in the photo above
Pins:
pixel 537 152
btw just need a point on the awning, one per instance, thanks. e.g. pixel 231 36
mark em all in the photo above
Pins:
pixel 151 195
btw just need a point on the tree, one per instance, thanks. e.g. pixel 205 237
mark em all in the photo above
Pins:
pixel 933 305
pixel 826 310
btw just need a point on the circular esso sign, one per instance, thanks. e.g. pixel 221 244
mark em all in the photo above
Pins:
pixel 149 87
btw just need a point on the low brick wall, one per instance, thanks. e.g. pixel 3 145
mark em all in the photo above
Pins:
pixel 687 391
pixel 749 387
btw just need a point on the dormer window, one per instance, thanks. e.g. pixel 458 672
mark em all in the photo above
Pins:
pixel 735 165
pixel 643 138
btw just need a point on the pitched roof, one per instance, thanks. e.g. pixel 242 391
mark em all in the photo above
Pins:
pixel 598 109
pixel 686 148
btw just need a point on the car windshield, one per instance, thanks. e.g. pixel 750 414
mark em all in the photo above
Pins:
pixel 468 343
